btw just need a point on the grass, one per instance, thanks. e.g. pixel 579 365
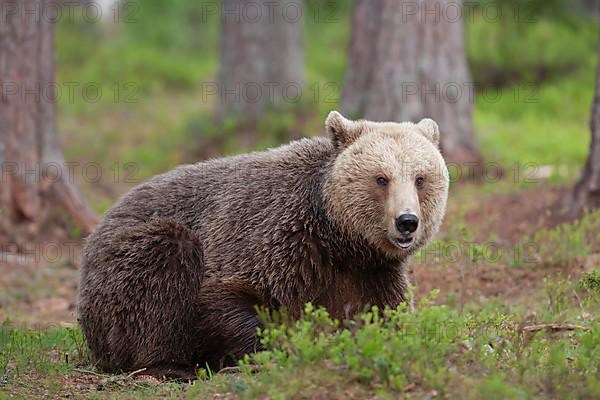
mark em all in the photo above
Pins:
pixel 437 349
pixel 591 281
pixel 553 130
pixel 568 241
pixel 479 352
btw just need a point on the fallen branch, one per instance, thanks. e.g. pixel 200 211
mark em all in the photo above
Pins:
pixel 137 371
pixel 120 379
pixel 555 327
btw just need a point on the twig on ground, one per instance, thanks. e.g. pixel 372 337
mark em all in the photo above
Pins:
pixel 85 371
pixel 137 371
pixel 555 327
pixel 119 379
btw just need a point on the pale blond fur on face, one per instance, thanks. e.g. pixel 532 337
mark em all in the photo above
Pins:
pixel 398 153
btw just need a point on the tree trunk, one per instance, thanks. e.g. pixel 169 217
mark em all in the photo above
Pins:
pixel 34 175
pixel 586 194
pixel 366 20
pixel 262 58
pixel 407 61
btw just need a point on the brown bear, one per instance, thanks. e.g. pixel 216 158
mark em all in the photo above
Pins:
pixel 171 278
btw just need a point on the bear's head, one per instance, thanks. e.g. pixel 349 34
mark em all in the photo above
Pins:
pixel 388 183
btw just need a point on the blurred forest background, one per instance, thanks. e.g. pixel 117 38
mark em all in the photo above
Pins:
pixel 171 52
pixel 140 92
pixel 174 49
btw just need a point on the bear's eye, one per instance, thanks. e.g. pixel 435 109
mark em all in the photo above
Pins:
pixel 419 182
pixel 382 181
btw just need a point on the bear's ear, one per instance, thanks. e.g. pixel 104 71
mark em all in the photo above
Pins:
pixel 430 130
pixel 341 130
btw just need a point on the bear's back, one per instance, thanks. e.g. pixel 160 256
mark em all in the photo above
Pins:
pixel 246 183
pixel 234 204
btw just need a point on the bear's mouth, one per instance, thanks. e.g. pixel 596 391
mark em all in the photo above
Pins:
pixel 403 242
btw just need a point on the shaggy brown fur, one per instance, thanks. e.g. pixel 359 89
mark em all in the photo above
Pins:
pixel 171 277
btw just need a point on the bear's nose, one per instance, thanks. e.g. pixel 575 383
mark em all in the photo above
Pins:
pixel 407 223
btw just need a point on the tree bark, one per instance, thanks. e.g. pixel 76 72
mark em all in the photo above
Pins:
pixel 34 176
pixel 586 193
pixel 366 20
pixel 262 58
pixel 407 61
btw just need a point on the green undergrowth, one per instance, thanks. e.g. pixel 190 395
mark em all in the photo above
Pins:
pixel 550 349
pixel 435 349
pixel 566 242
pixel 559 245
pixel 50 349
pixel 591 281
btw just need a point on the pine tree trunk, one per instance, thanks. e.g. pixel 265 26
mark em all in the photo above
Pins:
pixel 262 58
pixel 406 64
pixel 34 177
pixel 586 194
